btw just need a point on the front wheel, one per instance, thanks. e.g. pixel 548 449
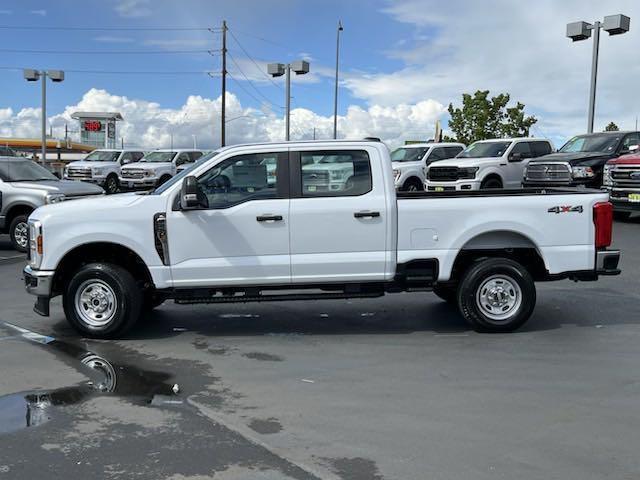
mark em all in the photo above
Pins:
pixel 496 295
pixel 112 185
pixel 413 185
pixel 19 233
pixel 102 300
pixel 490 183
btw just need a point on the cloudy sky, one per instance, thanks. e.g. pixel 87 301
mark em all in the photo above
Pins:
pixel 402 63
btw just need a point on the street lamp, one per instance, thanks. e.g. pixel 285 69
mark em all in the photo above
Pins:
pixel 576 31
pixel 300 67
pixel 335 94
pixel 31 75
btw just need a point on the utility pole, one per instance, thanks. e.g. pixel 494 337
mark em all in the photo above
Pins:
pixel 335 94
pixel 43 132
pixel 223 105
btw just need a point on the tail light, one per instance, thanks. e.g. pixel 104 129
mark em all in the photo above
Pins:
pixel 603 220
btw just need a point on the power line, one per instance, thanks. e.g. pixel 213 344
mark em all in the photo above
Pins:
pixel 104 29
pixel 250 82
pixel 254 62
pixel 130 72
pixel 248 92
pixel 266 40
pixel 107 52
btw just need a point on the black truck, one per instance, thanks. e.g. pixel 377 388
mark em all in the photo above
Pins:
pixel 581 161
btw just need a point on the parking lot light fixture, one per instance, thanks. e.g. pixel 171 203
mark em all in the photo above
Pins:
pixel 300 67
pixel 577 31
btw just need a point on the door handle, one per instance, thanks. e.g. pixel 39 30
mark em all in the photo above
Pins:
pixel 366 214
pixel 269 218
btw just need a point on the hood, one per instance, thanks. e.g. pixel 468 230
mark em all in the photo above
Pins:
pixel 68 187
pixel 400 165
pixel 147 165
pixel 573 158
pixel 86 164
pixel 92 204
pixel 468 162
pixel 631 159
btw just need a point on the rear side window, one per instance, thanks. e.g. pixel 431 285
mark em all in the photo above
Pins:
pixel 523 149
pixel 540 148
pixel 335 173
pixel 452 151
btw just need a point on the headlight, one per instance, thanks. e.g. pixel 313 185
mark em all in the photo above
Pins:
pixel 582 172
pixel 97 171
pixel 54 198
pixel 606 175
pixel 467 173
pixel 149 173
pixel 36 244
pixel 336 174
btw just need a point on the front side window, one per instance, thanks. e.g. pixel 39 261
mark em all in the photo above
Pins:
pixel 601 142
pixel 437 154
pixel 406 154
pixel 159 157
pixel 522 150
pixel 103 156
pixel 630 140
pixel 241 179
pixel 485 149
pixel 182 159
pixel 452 151
pixel 540 148
pixel 335 173
pixel 24 171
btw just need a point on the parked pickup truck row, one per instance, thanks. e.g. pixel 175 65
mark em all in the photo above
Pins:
pixel 257 223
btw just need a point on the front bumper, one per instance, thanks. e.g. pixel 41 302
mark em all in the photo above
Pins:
pixel 620 198
pixel 457 186
pixel 39 283
pixel 138 183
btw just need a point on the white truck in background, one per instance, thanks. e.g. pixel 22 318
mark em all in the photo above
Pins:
pixel 102 167
pixel 222 232
pixel 410 162
pixel 156 168
pixel 498 163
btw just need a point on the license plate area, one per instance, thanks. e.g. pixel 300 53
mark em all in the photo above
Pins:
pixel 634 197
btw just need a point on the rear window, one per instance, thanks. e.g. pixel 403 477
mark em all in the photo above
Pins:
pixel 335 173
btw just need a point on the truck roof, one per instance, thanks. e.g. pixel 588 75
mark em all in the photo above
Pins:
pixel 514 139
pixel 432 144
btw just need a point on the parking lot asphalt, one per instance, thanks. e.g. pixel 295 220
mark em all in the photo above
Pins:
pixel 389 388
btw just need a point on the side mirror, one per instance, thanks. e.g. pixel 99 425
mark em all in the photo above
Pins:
pixel 191 198
pixel 515 157
pixel 633 148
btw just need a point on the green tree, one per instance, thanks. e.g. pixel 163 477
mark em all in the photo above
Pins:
pixel 482 117
pixel 612 127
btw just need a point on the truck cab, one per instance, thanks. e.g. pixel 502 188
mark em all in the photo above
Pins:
pixel 157 167
pixel 410 161
pixel 102 167
pixel 496 163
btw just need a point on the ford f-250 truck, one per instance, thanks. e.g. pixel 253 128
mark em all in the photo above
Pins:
pixel 222 232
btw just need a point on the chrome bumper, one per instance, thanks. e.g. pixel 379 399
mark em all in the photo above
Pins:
pixel 607 262
pixel 38 282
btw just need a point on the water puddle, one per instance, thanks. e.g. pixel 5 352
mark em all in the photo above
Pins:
pixel 30 409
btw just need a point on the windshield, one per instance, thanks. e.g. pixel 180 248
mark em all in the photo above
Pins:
pixel 178 178
pixel 102 156
pixel 592 143
pixel 485 149
pixel 24 171
pixel 159 157
pixel 408 154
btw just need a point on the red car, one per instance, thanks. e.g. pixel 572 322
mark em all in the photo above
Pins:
pixel 621 177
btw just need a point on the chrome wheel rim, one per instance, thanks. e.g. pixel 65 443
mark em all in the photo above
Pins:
pixel 112 185
pixel 95 303
pixel 499 297
pixel 412 188
pixel 21 234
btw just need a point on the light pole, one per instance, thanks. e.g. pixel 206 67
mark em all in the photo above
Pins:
pixel 31 75
pixel 576 31
pixel 277 70
pixel 335 93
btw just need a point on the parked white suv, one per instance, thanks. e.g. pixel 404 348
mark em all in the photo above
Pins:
pixel 156 168
pixel 102 167
pixel 410 162
pixel 497 163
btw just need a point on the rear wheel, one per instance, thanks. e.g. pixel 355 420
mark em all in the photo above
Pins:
pixel 413 185
pixel 102 300
pixel 496 295
pixel 19 233
pixel 491 182
pixel 112 185
pixel 621 216
pixel 448 293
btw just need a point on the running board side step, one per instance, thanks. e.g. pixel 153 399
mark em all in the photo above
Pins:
pixel 188 300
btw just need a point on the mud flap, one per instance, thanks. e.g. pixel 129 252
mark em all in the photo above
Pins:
pixel 41 307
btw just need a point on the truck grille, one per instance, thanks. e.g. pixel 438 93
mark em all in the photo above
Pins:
pixel 443 174
pixel 549 172
pixel 79 173
pixel 626 176
pixel 131 173
pixel 315 178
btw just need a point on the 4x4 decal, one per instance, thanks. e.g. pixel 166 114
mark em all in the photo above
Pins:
pixel 566 209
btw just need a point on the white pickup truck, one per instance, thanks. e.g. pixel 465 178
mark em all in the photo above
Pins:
pixel 223 232
pixel 102 167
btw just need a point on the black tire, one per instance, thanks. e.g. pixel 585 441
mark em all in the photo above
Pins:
pixel 621 216
pixel 164 179
pixel 112 184
pixel 412 185
pixel 95 279
pixel 491 182
pixel 448 293
pixel 503 280
pixel 18 233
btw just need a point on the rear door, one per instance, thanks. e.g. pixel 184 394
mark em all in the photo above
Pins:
pixel 338 214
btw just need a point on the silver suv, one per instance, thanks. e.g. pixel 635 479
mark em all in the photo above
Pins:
pixel 25 186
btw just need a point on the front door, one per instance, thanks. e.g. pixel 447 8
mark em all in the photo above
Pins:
pixel 242 238
pixel 338 217
pixel 514 170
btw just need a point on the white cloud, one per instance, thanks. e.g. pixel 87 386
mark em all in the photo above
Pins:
pixel 133 8
pixel 148 124
pixel 504 46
